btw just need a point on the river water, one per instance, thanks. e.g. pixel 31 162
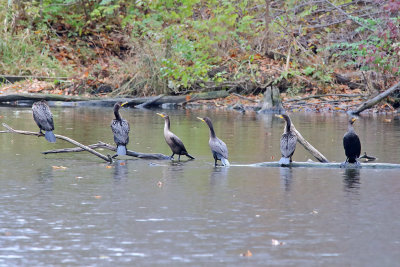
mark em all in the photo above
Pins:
pixel 75 210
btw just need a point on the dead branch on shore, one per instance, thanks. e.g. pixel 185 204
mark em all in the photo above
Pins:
pixel 375 100
pixel 86 148
pixel 155 156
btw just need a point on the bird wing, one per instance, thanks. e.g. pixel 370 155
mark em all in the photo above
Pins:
pixel 219 147
pixel 121 131
pixel 177 142
pixel 43 117
pixel 288 144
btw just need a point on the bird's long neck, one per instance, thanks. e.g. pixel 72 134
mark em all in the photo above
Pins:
pixel 116 113
pixel 288 124
pixel 212 133
pixel 167 125
pixel 350 127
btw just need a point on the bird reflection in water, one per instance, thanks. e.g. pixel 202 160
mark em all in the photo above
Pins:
pixel 218 175
pixel 121 169
pixel 351 179
pixel 286 177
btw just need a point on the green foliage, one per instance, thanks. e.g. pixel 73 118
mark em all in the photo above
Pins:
pixel 378 51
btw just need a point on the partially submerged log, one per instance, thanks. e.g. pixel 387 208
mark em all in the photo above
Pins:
pixel 324 165
pixel 154 156
pixel 375 100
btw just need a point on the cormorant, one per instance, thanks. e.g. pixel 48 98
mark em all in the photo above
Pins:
pixel 218 147
pixel 44 119
pixel 172 140
pixel 351 144
pixel 120 128
pixel 288 141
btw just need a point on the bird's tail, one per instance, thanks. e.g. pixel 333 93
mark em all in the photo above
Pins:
pixel 49 135
pixel 225 162
pixel 121 150
pixel 284 161
pixel 187 154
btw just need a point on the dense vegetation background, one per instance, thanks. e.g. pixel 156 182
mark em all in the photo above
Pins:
pixel 152 46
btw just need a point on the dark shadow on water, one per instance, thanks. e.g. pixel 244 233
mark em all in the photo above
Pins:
pixel 286 175
pixel 351 180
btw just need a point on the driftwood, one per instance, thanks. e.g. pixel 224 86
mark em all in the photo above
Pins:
pixel 86 148
pixel 150 102
pixel 324 165
pixel 155 156
pixel 375 100
pixel 308 146
pixel 178 99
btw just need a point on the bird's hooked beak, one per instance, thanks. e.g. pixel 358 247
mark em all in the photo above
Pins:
pixel 353 120
pixel 201 119
pixel 124 104
pixel 279 116
pixel 161 115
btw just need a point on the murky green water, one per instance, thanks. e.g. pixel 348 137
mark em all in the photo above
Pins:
pixel 156 212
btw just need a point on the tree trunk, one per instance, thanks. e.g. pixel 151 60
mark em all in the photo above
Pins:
pixel 272 101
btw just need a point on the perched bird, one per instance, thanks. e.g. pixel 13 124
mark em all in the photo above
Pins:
pixel 172 140
pixel 218 147
pixel 44 119
pixel 120 128
pixel 288 141
pixel 351 144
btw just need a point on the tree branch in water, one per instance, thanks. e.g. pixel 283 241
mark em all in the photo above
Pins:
pixel 156 156
pixel 83 147
pixel 318 155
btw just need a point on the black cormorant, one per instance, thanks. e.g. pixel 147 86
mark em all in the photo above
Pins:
pixel 172 140
pixel 44 119
pixel 120 128
pixel 351 144
pixel 288 141
pixel 218 147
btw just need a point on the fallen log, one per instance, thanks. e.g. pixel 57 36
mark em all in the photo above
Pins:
pixel 150 102
pixel 73 101
pixel 178 99
pixel 322 165
pixel 375 100
pixel 154 156
pixel 37 97
pixel 83 147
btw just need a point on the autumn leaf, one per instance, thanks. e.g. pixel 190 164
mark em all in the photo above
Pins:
pixel 246 254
